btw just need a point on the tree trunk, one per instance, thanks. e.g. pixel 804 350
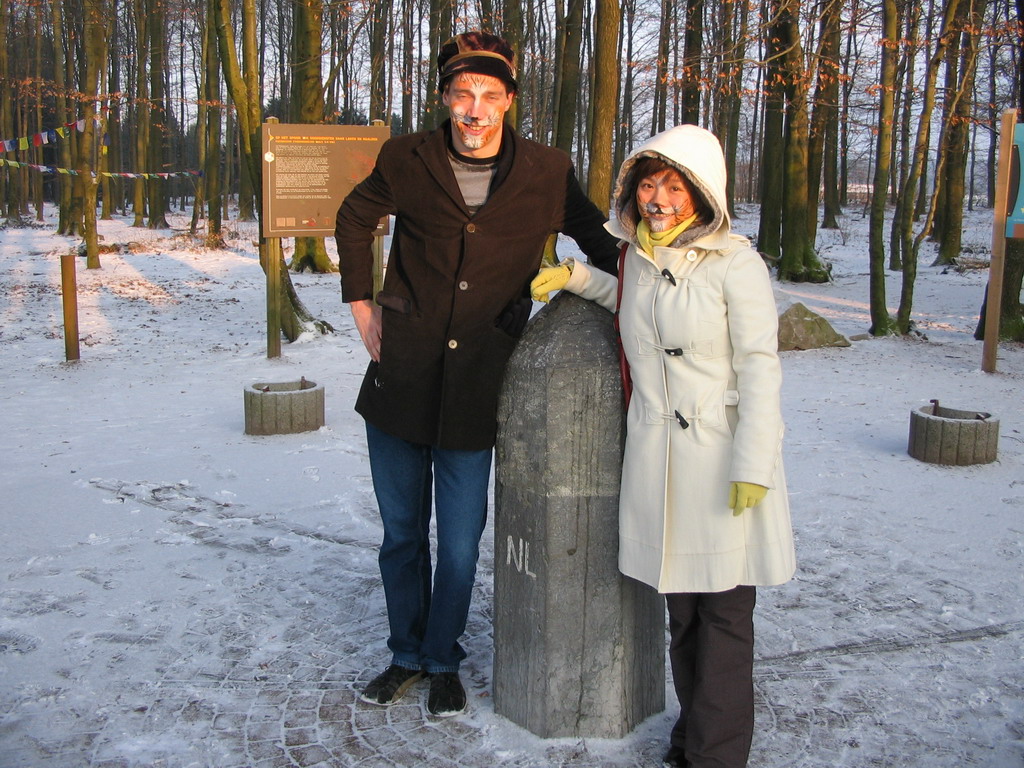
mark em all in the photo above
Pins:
pixel 408 66
pixel 881 322
pixel 512 24
pixel 726 112
pixel 380 12
pixel 75 77
pixel 911 249
pixel 142 112
pixel 11 194
pixel 958 135
pixel 770 226
pixel 95 25
pixel 848 65
pixel 439 25
pixel 799 261
pixel 37 45
pixel 605 95
pixel 487 17
pixel 950 131
pixel 993 119
pixel 824 123
pixel 63 148
pixel 158 126
pixel 308 102
pixel 905 70
pixel 659 118
pixel 113 190
pixel 624 128
pixel 567 85
pixel 6 102
pixel 212 183
pixel 689 94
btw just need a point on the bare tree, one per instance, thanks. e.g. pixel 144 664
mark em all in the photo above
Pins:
pixel 799 261
pixel 307 106
pixel 567 83
pixel 822 152
pixel 95 28
pixel 881 322
pixel 605 95
pixel 689 86
pixel 962 60
pixel 242 83
pixel 911 244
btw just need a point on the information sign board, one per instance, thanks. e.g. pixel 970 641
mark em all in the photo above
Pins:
pixel 309 169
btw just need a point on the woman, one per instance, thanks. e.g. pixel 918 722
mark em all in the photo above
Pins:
pixel 704 515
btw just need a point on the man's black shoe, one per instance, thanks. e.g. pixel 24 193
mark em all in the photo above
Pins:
pixel 447 696
pixel 390 685
pixel 675 758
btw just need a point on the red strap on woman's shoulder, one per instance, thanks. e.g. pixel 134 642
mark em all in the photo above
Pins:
pixel 627 381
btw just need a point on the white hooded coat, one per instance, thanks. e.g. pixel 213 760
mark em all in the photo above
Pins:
pixel 699 329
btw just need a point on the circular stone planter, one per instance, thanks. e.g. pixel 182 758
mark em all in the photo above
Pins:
pixel 949 436
pixel 284 407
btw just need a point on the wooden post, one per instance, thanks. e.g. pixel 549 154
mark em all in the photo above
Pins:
pixel 378 264
pixel 994 300
pixel 378 248
pixel 579 649
pixel 272 255
pixel 69 297
pixel 270 260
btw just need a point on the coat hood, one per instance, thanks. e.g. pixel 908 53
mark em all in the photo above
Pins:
pixel 697 154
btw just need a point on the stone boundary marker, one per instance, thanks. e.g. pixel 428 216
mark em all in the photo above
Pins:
pixel 579 649
pixel 284 407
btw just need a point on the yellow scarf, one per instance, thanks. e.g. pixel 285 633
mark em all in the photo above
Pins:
pixel 647 240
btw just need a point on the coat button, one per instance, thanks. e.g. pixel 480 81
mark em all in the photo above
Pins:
pixel 471 228
pixel 452 343
pixel 691 255
pixel 463 285
pixel 674 352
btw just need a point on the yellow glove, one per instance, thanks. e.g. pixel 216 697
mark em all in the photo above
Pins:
pixel 744 495
pixel 549 279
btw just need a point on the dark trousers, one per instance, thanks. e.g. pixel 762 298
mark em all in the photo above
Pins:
pixel 712 655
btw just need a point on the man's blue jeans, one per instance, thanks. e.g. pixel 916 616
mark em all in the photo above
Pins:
pixel 427 617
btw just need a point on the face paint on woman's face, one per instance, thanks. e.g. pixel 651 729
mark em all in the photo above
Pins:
pixel 665 200
pixel 477 104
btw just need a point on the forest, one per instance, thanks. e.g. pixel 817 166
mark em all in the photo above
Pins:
pixel 887 108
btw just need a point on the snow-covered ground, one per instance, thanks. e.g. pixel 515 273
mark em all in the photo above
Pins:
pixel 174 592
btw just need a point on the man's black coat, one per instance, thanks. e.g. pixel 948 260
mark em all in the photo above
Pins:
pixel 451 276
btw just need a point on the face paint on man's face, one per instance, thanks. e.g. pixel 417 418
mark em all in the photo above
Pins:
pixel 477 104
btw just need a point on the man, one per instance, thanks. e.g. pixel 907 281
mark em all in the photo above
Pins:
pixel 475 203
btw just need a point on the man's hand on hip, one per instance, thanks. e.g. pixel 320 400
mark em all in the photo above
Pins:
pixel 367 316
